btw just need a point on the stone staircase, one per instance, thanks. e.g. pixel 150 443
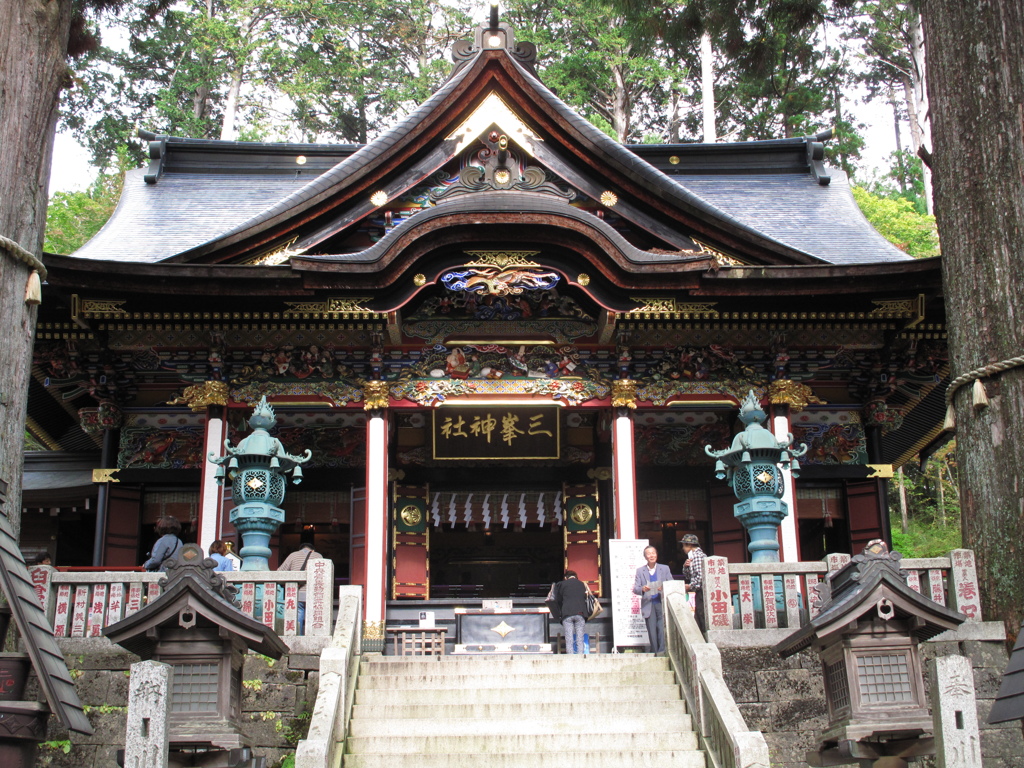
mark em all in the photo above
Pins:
pixel 603 711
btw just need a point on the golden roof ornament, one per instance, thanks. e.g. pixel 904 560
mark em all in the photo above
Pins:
pixel 199 397
pixel 796 396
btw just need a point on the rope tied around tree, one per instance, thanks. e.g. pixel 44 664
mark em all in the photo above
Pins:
pixel 34 287
pixel 980 396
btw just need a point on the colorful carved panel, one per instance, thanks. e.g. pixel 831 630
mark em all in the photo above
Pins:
pixel 680 444
pixel 161 447
pixel 332 447
pixel 523 299
pixel 832 437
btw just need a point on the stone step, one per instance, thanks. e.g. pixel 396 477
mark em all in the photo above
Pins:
pixel 587 690
pixel 520 665
pixel 439 680
pixel 506 743
pixel 427 726
pixel 607 759
pixel 513 712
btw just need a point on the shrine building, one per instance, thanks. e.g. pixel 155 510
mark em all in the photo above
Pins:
pixel 505 338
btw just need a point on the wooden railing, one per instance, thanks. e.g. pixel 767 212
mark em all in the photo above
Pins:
pixel 724 736
pixel 83 604
pixel 744 596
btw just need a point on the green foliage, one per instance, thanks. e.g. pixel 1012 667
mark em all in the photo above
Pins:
pixel 904 179
pixel 74 217
pixel 288 761
pixel 900 223
pixel 261 69
pixel 105 709
pixel 933 506
pixel 603 60
pixel 295 729
pixel 62 745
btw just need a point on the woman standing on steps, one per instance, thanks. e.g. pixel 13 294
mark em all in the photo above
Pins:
pixel 571 598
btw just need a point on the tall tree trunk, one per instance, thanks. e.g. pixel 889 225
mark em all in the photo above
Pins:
pixel 707 88
pixel 976 86
pixel 672 110
pixel 228 129
pixel 902 482
pixel 201 98
pixel 919 115
pixel 33 49
pixel 620 105
pixel 899 145
pixel 942 498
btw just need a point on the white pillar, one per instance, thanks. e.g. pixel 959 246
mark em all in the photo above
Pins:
pixel 624 477
pixel 788 529
pixel 376 515
pixel 211 495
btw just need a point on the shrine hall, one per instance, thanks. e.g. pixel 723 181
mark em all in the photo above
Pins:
pixel 504 338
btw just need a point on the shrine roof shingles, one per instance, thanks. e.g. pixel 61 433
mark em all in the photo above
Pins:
pixel 202 193
pixel 182 210
pixel 794 209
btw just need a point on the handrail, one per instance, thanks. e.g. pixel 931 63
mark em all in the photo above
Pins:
pixel 723 733
pixel 339 667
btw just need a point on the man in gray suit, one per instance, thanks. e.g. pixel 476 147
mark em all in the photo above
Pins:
pixel 649 579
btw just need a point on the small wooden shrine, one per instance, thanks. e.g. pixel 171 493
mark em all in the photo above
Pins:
pixel 194 627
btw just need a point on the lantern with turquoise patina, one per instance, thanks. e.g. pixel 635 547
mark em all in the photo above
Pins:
pixel 753 466
pixel 258 468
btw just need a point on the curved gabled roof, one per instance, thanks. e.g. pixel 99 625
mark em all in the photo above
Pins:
pixel 513 205
pixel 195 212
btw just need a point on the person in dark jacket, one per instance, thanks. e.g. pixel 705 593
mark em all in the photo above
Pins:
pixel 167 545
pixel 571 598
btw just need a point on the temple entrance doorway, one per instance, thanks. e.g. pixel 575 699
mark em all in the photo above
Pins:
pixel 518 561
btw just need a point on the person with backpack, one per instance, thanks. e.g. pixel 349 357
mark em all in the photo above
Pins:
pixel 167 545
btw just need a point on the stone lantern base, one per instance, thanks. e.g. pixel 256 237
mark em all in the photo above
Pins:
pixel 22 728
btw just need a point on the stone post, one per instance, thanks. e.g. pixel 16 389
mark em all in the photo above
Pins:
pixel 955 713
pixel 964 595
pixel 717 596
pixel 146 737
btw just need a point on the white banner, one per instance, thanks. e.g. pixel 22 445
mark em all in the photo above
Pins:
pixel 624 557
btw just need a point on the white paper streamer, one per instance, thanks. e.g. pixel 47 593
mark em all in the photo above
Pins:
pixel 540 509
pixel 453 513
pixel 522 509
pixel 504 511
pixel 435 510
pixel 467 512
pixel 558 507
pixel 487 511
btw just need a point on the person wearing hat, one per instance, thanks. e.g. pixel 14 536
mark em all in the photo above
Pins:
pixel 649 579
pixel 693 575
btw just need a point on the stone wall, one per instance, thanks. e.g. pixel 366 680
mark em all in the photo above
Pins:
pixel 278 699
pixel 785 698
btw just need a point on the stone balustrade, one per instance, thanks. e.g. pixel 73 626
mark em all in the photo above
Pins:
pixel 82 604
pixel 752 596
pixel 718 721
